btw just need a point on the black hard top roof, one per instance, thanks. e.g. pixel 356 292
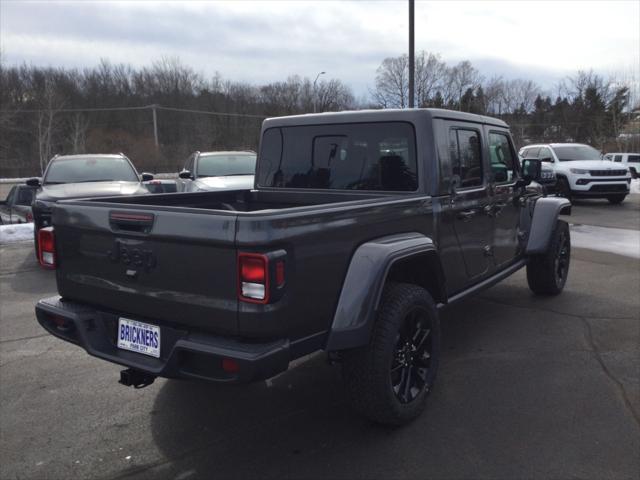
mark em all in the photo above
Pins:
pixel 388 115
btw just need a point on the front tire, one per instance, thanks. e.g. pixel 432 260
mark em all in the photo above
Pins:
pixel 388 380
pixel 616 199
pixel 547 273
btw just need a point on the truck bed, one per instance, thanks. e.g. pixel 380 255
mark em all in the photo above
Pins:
pixel 179 268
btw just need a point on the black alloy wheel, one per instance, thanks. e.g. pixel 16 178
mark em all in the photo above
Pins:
pixel 412 357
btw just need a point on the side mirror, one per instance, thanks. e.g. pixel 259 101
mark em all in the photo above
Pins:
pixel 147 176
pixel 531 170
pixel 33 182
pixel 185 174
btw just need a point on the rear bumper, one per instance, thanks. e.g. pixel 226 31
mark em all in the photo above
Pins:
pixel 183 354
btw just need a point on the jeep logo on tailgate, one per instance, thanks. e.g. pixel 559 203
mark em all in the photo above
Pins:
pixel 132 256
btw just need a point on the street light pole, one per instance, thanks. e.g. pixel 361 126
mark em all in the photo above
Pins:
pixel 411 54
pixel 314 90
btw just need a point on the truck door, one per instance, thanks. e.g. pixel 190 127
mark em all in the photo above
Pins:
pixel 504 196
pixel 468 198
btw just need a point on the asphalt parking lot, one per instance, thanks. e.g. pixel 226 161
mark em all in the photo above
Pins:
pixel 529 387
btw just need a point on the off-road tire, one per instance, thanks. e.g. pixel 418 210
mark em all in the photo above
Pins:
pixel 616 199
pixel 367 371
pixel 547 273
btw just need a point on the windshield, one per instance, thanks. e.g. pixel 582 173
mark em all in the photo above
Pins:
pixel 567 153
pixel 226 165
pixel 89 169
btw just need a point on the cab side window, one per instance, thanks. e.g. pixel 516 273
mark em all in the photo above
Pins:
pixel 466 159
pixel 11 196
pixel 502 157
pixel 189 164
pixel 25 197
pixel 545 154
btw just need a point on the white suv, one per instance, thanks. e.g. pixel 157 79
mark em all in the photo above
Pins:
pixel 631 160
pixel 581 171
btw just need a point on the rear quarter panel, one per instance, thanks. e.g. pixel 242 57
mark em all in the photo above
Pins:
pixel 319 248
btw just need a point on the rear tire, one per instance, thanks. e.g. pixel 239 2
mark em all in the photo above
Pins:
pixel 616 199
pixel 388 380
pixel 547 273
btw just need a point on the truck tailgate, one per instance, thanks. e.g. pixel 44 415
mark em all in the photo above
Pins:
pixel 172 267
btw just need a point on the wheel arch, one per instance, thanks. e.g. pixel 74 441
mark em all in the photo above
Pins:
pixel 409 258
pixel 545 216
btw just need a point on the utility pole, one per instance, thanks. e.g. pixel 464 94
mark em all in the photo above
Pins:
pixel 155 124
pixel 411 54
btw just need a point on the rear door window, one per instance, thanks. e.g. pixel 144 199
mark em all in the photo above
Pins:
pixel 364 156
pixel 465 154
pixel 617 158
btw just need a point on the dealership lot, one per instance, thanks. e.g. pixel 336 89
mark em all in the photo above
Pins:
pixel 529 387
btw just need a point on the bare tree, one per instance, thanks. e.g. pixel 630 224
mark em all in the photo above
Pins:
pixel 392 82
pixel 47 123
pixel 77 127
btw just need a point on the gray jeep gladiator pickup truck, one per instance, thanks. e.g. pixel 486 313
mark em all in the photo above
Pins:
pixel 360 228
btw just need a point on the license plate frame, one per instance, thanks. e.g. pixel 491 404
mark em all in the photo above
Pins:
pixel 139 337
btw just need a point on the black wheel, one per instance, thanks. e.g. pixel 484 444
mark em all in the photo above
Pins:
pixel 564 189
pixel 616 199
pixel 547 273
pixel 388 380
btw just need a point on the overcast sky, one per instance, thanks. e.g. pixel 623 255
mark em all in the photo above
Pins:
pixel 265 41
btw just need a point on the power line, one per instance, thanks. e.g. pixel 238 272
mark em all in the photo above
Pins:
pixel 145 107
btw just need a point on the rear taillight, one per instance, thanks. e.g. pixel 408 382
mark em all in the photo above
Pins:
pixel 254 277
pixel 47 247
pixel 261 277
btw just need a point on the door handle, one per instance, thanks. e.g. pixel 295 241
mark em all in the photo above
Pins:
pixel 466 215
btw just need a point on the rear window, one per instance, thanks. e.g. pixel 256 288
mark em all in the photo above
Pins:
pixel 89 169
pixel 364 156
pixel 633 158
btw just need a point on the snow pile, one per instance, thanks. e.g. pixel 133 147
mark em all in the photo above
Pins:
pixel 16 233
pixel 13 180
pixel 635 185
pixel 612 240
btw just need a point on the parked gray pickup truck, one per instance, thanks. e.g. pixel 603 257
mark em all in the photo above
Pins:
pixel 360 228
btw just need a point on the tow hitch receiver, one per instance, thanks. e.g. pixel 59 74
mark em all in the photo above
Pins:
pixel 135 378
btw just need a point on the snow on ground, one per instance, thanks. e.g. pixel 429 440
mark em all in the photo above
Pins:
pixel 604 239
pixel 635 185
pixel 22 232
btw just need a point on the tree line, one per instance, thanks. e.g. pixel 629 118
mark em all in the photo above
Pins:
pixel 585 108
pixel 160 113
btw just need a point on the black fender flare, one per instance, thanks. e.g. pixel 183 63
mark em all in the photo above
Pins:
pixel 366 276
pixel 545 216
